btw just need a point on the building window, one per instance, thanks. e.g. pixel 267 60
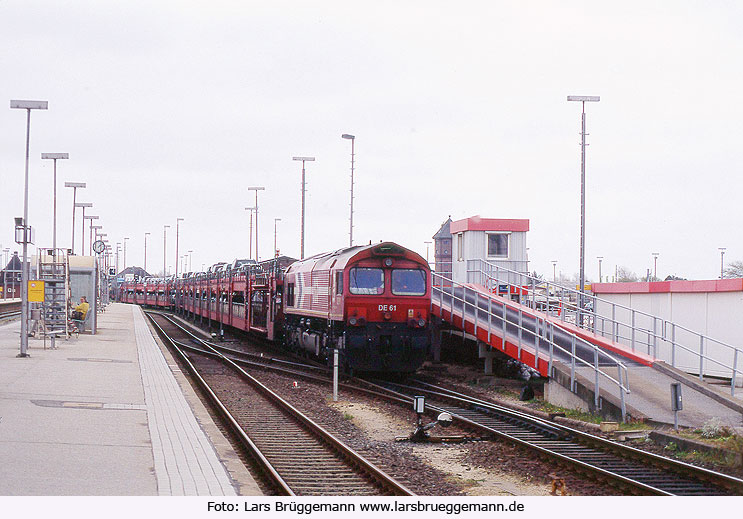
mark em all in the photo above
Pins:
pixel 460 246
pixel 497 245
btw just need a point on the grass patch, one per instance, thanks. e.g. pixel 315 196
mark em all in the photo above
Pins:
pixel 347 416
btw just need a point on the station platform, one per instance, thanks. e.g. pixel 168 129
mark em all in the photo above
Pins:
pixel 108 414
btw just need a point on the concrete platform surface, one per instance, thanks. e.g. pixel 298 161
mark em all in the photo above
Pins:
pixel 105 415
pixel 651 395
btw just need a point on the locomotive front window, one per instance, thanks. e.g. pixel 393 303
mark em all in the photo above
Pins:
pixel 409 282
pixel 366 281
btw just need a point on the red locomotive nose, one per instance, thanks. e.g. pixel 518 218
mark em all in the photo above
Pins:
pixel 387 316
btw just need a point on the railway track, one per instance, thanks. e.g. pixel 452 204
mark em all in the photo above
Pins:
pixel 295 454
pixel 631 469
pixel 635 470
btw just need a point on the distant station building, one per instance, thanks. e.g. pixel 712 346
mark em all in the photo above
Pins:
pixel 498 241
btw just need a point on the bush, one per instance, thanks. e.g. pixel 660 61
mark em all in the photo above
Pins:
pixel 714 428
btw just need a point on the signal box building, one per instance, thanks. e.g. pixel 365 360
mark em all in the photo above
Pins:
pixel 498 241
pixel 442 249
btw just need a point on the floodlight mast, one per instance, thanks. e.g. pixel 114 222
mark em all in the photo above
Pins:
pixel 352 138
pixel 303 159
pixel 28 106
pixel 256 189
pixel 583 100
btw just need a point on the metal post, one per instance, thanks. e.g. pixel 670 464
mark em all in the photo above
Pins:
pixel 165 247
pixel 673 345
pixel 177 233
pixel 350 232
pixel 632 332
pixel 701 357
pixel 24 265
pixel 735 372
pixel 596 377
pixel 572 364
pixel 335 374
pixel 621 393
pixel 552 346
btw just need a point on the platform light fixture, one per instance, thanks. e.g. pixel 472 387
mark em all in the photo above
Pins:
pixel 75 186
pixel 352 138
pixel 250 245
pixel 256 189
pixel 275 246
pixel 301 240
pixel 91 218
pixel 145 250
pixel 165 248
pixel 55 157
pixel 177 233
pixel 27 105
pixel 583 100
pixel 125 239
pixel 600 258
pixel 722 261
pixel 655 264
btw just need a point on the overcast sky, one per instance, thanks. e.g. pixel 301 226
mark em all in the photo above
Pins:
pixel 172 109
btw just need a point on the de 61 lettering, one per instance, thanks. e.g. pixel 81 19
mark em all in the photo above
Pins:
pixel 387 308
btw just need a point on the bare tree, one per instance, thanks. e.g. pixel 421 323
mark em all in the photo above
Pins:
pixel 734 270
pixel 625 275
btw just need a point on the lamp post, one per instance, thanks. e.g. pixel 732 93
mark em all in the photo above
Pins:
pixel 250 246
pixel 118 248
pixel 28 106
pixel 55 157
pixel 177 231
pixel 91 218
pixel 165 248
pixel 722 261
pixel 275 247
pixel 145 250
pixel 427 244
pixel 74 186
pixel 583 100
pixel 352 138
pixel 125 238
pixel 655 265
pixel 301 242
pixel 5 273
pixel 82 205
pixel 256 189
pixel 554 271
pixel 189 260
pixel 599 258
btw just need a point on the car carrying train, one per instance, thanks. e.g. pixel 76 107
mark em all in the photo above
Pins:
pixel 371 302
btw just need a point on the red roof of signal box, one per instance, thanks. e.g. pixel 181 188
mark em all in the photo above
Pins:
pixel 477 223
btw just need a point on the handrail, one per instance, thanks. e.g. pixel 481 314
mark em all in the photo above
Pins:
pixel 655 332
pixel 543 332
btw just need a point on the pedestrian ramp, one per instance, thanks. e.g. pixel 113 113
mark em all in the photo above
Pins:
pixel 589 364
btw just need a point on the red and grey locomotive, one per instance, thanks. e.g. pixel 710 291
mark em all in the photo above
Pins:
pixel 371 302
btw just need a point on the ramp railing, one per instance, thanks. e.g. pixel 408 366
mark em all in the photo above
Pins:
pixel 648 333
pixel 509 322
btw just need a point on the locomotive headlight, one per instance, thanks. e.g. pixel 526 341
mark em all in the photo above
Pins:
pixel 352 321
pixel 421 322
pixel 387 316
pixel 388 262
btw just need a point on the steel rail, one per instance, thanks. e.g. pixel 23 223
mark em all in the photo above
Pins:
pixel 353 459
pixel 602 446
pixel 271 473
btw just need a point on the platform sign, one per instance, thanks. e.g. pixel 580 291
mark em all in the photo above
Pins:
pixel 35 291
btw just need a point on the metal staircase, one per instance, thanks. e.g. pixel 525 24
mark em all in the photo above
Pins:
pixel 54 270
